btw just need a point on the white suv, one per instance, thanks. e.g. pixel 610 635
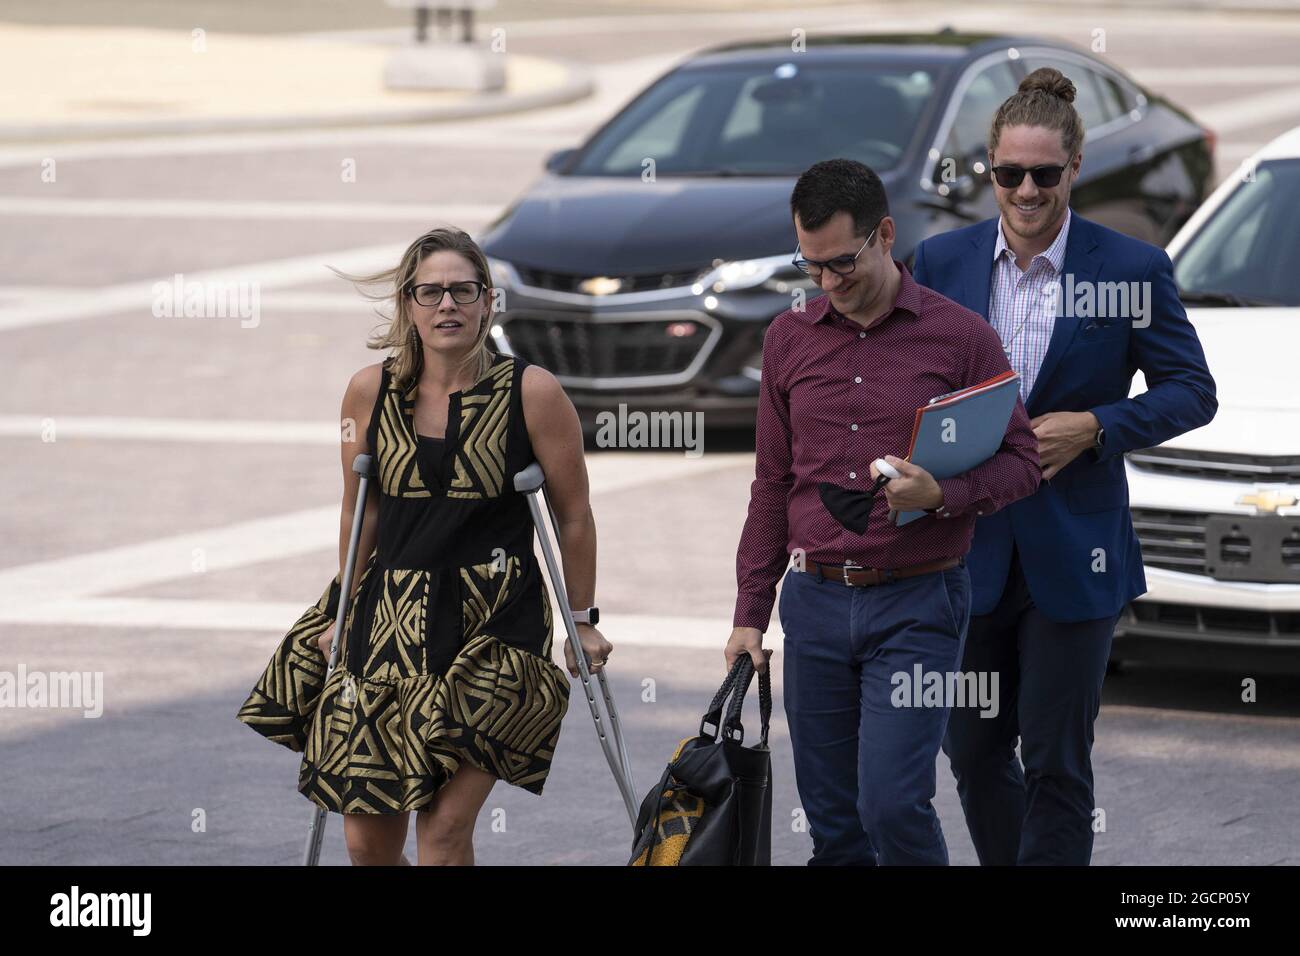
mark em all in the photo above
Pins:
pixel 1218 509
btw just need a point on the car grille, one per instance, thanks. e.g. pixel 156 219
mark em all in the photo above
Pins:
pixel 1174 540
pixel 1213 464
pixel 566 282
pixel 579 349
pixel 1167 619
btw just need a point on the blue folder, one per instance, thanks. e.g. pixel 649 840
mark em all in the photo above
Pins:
pixel 957 431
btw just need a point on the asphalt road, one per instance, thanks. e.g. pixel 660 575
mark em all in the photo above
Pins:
pixel 184 514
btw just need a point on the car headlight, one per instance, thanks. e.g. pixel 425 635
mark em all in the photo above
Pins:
pixel 503 273
pixel 775 273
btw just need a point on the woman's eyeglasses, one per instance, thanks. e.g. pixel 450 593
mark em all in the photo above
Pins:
pixel 462 293
pixel 1045 177
pixel 840 265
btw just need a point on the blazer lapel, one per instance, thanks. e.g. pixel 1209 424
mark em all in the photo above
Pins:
pixel 1082 264
pixel 978 275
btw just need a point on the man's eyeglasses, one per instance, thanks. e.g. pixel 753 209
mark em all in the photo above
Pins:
pixel 840 265
pixel 1045 177
pixel 462 293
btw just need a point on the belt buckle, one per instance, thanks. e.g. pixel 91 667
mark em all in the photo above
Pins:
pixel 844 572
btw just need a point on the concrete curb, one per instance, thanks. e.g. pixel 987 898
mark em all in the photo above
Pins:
pixel 577 84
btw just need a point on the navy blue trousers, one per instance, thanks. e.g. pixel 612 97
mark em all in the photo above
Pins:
pixel 864 765
pixel 1050 678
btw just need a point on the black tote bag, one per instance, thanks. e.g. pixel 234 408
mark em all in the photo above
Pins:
pixel 713 804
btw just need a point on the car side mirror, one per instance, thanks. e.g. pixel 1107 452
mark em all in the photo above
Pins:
pixel 558 159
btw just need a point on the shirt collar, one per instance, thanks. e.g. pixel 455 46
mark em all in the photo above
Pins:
pixel 906 302
pixel 1054 254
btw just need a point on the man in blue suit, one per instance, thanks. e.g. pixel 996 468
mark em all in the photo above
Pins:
pixel 1079 309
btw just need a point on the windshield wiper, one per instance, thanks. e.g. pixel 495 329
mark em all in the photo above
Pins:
pixel 1211 297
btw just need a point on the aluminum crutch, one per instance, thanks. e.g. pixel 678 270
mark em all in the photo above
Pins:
pixel 532 482
pixel 363 466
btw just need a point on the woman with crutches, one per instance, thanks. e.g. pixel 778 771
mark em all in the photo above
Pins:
pixel 444 681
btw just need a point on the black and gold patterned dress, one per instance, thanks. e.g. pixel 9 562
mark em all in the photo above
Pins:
pixel 446 654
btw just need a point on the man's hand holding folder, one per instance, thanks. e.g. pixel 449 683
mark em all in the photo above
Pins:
pixel 915 490
pixel 951 434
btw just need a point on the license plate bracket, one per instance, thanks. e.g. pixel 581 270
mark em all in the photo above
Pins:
pixel 1249 548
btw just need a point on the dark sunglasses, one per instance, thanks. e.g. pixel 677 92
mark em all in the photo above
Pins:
pixel 462 293
pixel 840 265
pixel 1045 177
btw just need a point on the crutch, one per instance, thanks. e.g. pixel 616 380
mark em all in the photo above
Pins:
pixel 532 482
pixel 362 465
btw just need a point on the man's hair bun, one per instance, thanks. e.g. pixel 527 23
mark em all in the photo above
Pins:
pixel 1049 80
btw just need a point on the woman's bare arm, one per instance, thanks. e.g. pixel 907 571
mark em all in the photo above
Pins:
pixel 556 436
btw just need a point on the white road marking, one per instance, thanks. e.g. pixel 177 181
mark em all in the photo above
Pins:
pixel 137 208
pixel 642 630
pixel 168 559
pixel 138 296
pixel 452 135
pixel 1247 111
pixel 70 591
pixel 1264 75
pixel 198 430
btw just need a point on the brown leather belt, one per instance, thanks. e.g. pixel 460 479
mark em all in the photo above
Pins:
pixel 859 577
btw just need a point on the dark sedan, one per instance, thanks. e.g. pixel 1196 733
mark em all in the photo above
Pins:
pixel 644 267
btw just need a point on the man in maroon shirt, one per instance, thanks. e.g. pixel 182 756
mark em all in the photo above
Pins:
pixel 843 375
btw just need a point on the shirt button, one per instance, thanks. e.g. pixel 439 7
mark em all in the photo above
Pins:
pixel 854 427
pixel 853 474
pixel 979 513
pixel 862 335
pixel 858 379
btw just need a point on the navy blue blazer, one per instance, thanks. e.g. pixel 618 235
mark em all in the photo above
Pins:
pixel 1075 536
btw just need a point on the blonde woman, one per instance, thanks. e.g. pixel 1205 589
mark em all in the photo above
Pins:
pixel 444 681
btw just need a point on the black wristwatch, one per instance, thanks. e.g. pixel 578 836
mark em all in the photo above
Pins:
pixel 590 616
pixel 1099 441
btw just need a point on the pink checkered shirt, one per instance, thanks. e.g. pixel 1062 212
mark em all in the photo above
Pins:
pixel 1021 306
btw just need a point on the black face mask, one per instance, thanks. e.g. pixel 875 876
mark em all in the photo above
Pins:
pixel 851 508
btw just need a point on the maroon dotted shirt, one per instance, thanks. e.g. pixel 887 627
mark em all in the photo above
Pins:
pixel 835 397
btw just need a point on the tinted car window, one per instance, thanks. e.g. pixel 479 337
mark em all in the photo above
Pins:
pixel 981 99
pixel 1251 245
pixel 1087 99
pixel 765 121
pixel 1122 96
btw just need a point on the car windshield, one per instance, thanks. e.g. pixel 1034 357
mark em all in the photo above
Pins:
pixel 764 121
pixel 1249 251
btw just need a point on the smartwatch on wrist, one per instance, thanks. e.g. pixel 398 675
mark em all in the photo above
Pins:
pixel 590 616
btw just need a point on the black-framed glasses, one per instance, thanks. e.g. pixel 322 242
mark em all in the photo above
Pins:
pixel 840 265
pixel 1045 177
pixel 462 293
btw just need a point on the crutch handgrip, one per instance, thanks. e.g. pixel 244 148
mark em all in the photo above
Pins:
pixel 530 479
